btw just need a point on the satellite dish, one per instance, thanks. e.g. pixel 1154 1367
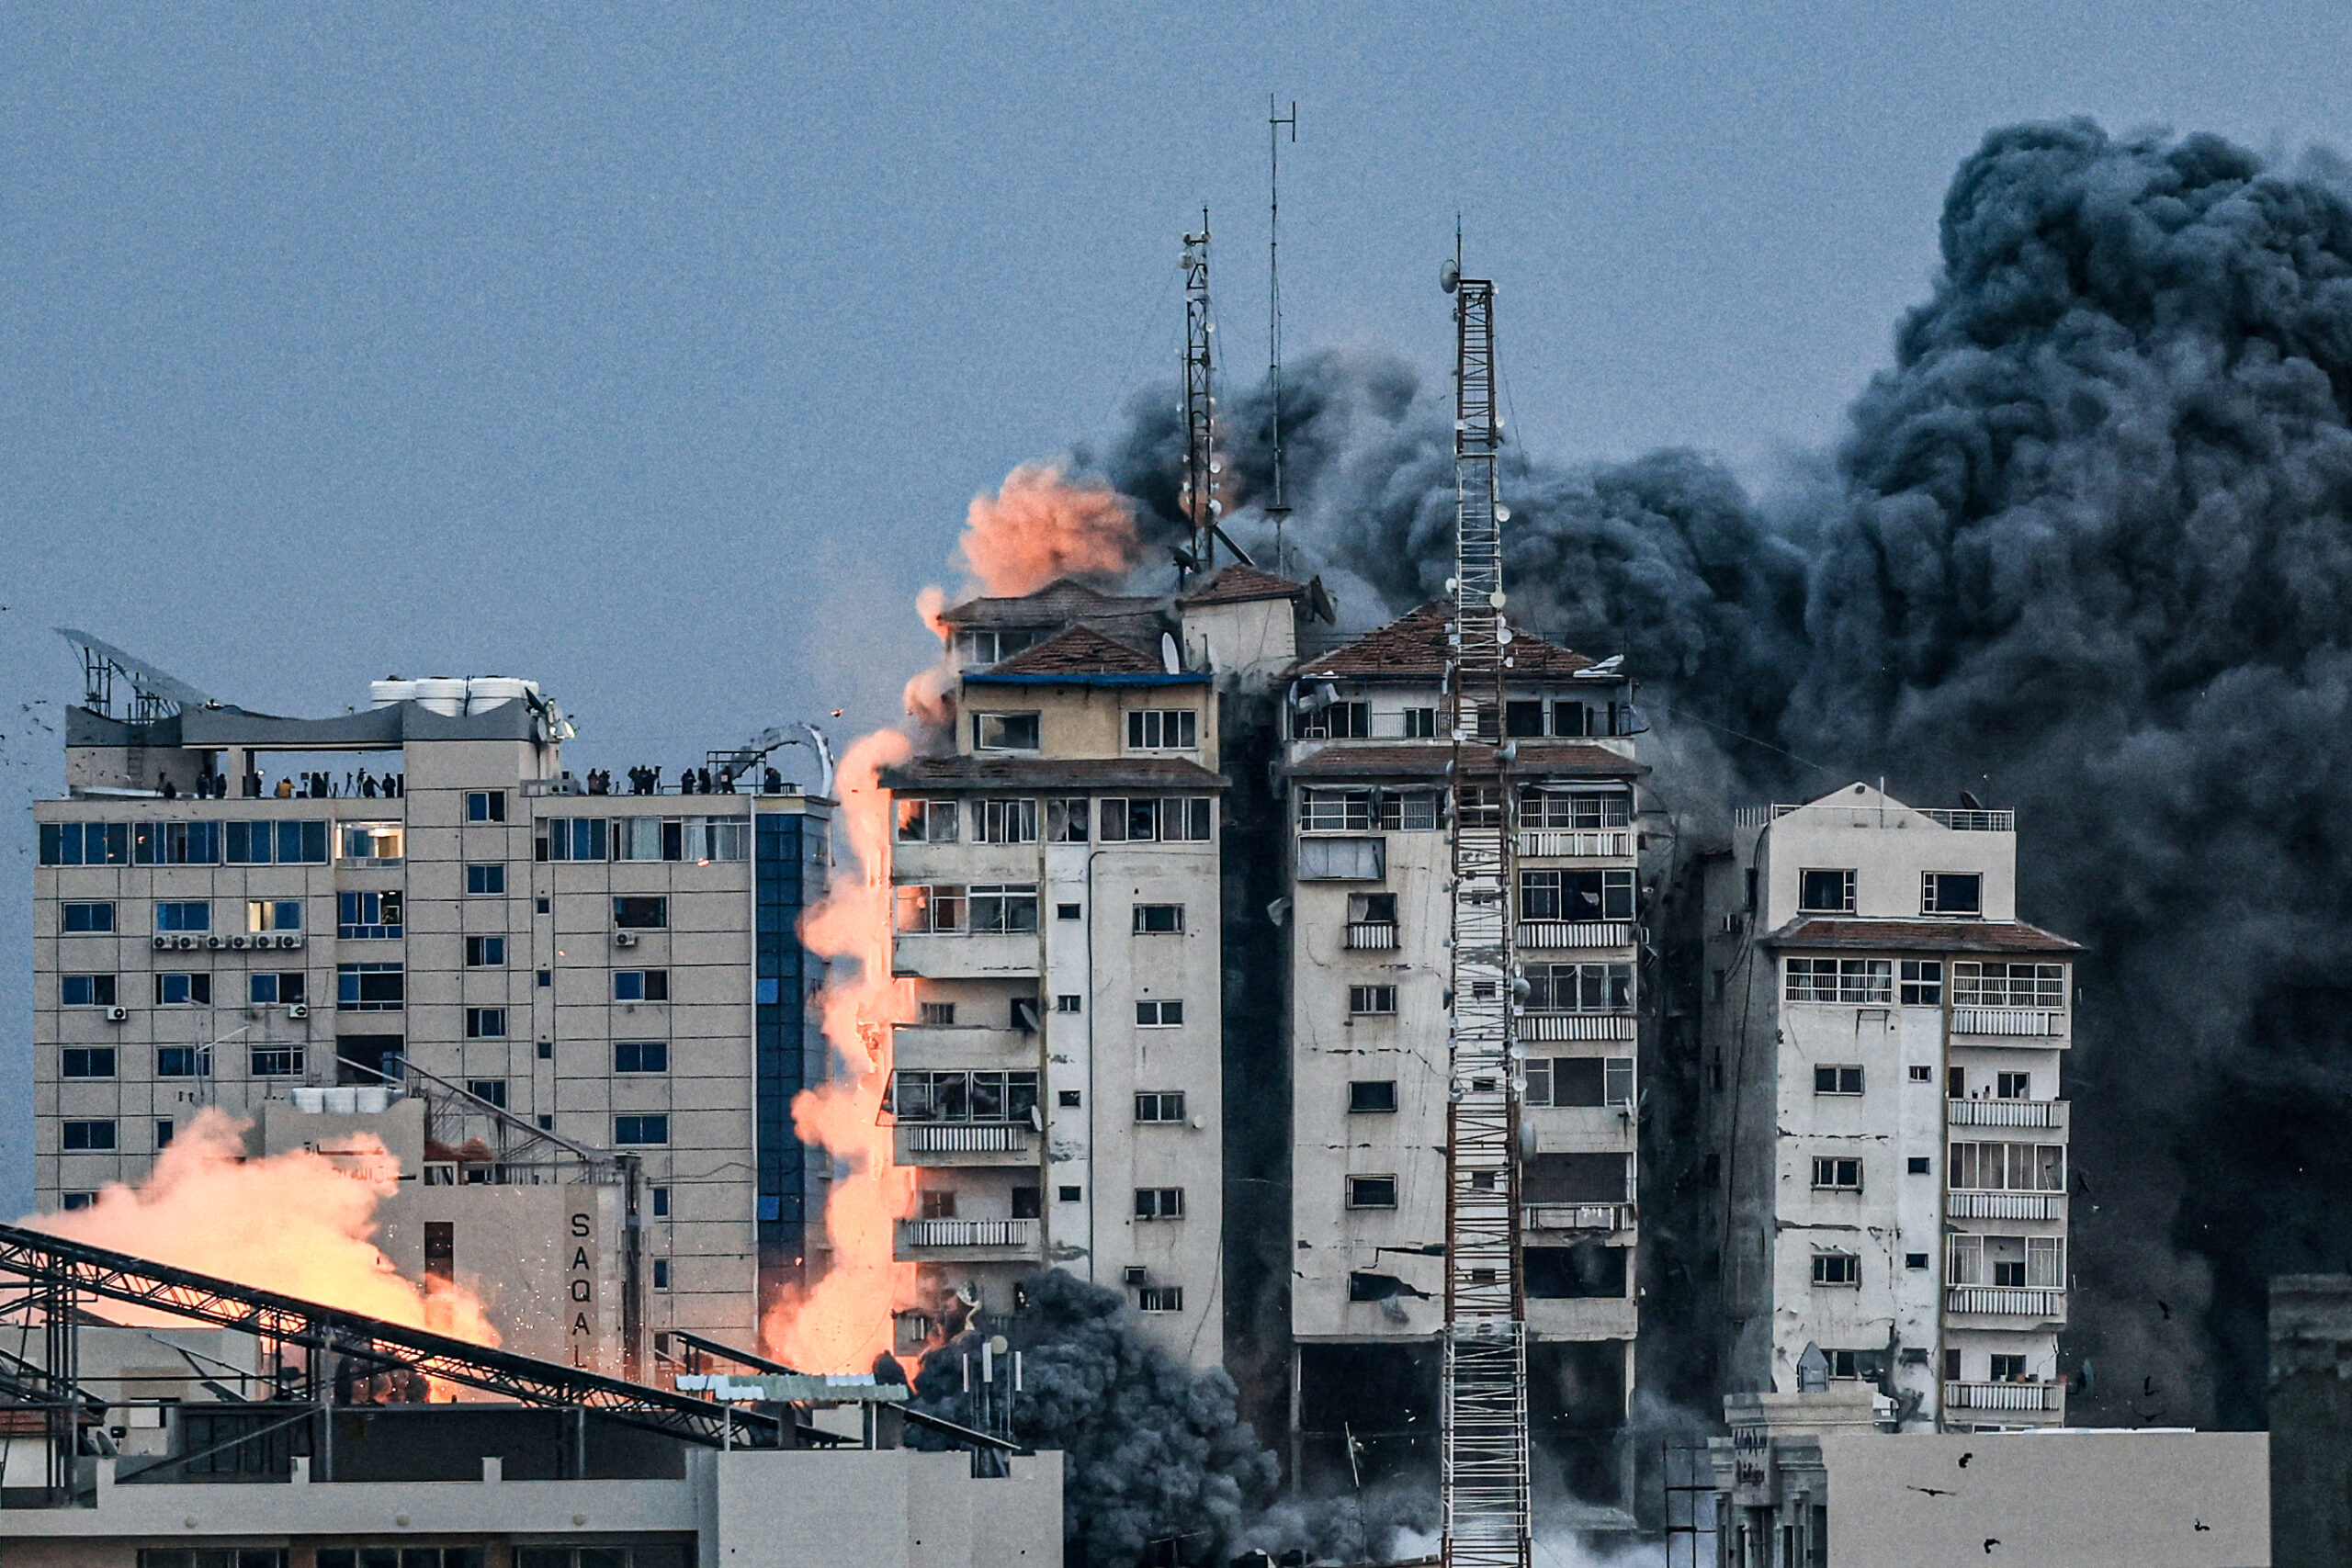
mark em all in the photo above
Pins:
pixel 1502 514
pixel 1968 799
pixel 1449 277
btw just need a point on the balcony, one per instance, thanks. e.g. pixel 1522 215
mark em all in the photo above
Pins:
pixel 1544 1027
pixel 2050 1114
pixel 2045 1303
pixel 955 956
pixel 1602 1217
pixel 1607 844
pixel 1539 934
pixel 2038 1397
pixel 951 1143
pixel 2005 1205
pixel 2032 1023
pixel 976 1240
pixel 1371 936
pixel 1584 1318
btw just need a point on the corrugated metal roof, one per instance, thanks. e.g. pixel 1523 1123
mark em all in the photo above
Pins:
pixel 1919 936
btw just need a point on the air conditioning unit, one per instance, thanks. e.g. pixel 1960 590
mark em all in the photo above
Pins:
pixel 624 939
pixel 293 940
pixel 240 944
pixel 118 1015
pixel 214 942
pixel 297 1010
pixel 161 942
pixel 186 943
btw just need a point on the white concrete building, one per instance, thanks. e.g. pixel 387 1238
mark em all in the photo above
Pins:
pixel 1366 762
pixel 516 983
pixel 1883 1041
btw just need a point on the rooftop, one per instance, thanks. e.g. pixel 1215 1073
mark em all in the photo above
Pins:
pixel 1065 600
pixel 1239 584
pixel 1919 936
pixel 1079 650
pixel 1414 646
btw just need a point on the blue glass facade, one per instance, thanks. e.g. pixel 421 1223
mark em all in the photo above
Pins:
pixel 783 876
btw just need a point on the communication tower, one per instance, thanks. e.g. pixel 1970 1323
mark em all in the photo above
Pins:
pixel 1201 465
pixel 1278 509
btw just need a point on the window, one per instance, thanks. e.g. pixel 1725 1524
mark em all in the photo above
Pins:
pixel 281 843
pixel 1160 1014
pixel 938 1202
pixel 85 990
pixel 275 990
pixel 370 988
pixel 489 880
pixel 1952 893
pixel 1067 1099
pixel 188 917
pixel 1065 820
pixel 1916 1260
pixel 1070 1194
pixel 1836 1268
pixel 1334 721
pixel 1372 1191
pixel 182 1062
pixel 1005 909
pixel 1178 820
pixel 1372 1001
pixel 936 908
pixel 1372 1097
pixel 85 843
pixel 1523 719
pixel 1836 1081
pixel 162 1132
pixel 1841 980
pixel 710 839
pixel 1956 1083
pixel 1372 908
pixel 486 806
pixel 1922 1074
pixel 176 843
pixel 2013 1086
pixel 485 1023
pixel 661 1273
pixel 1066 1002
pixel 639 913
pixel 1004 822
pixel 1366 810
pixel 490 1090
pixel 640 1130
pixel 1420 724
pixel 1575 894
pixel 1160 1105
pixel 1573 808
pixel 661 1202
pixel 274 914
pixel 641 985
pixel 74 1201
pixel 276 1061
pixel 88 1136
pixel 1342 859
pixel 2007 1167
pixel 1917 1166
pixel 87 1061
pixel 1825 892
pixel 370 843
pixel 640 1055
pixel 576 838
pixel 1160 1298
pixel 73 918
pixel 1066 911
pixel 1579 1081
pixel 360 916
pixel 920 1095
pixel 1159 1203
pixel 1160 919
pixel 1923 982
pixel 1976 984
pixel 927 821
pixel 935 1015
pixel 1837 1174
pixel 1004 733
pixel 987 647
pixel 174 990
pixel 2031 1261
pixel 485 951
pixel 1164 729
pixel 1579 988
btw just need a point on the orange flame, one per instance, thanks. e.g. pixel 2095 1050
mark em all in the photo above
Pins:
pixel 298 1223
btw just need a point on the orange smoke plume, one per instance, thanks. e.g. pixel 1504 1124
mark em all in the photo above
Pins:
pixel 843 1321
pixel 298 1223
pixel 1043 525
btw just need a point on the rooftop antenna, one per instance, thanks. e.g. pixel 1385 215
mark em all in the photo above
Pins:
pixel 1201 507
pixel 1280 510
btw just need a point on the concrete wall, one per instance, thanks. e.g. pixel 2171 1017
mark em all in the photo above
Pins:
pixel 2310 1419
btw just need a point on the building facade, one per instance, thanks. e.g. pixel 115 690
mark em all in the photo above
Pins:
pixel 574 989
pixel 1883 1038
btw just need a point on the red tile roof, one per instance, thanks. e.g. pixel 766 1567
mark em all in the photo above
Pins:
pixel 1414 646
pixel 1051 772
pixel 1238 584
pixel 1063 601
pixel 1548 758
pixel 1920 936
pixel 1078 651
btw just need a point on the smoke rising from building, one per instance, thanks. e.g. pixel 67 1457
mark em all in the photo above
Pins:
pixel 2084 546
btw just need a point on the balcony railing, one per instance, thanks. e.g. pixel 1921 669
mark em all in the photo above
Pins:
pixel 1576 933
pixel 2036 1396
pixel 2037 1021
pixel 966 1233
pixel 1371 936
pixel 1606 843
pixel 1958 822
pixel 964 1138
pixel 2005 1205
pixel 2008 1301
pixel 1540 1027
pixel 2051 1113
pixel 1578 1216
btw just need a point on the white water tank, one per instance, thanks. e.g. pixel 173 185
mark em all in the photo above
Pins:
pixel 311 1101
pixel 384 693
pixel 484 692
pixel 340 1101
pixel 441 694
pixel 371 1099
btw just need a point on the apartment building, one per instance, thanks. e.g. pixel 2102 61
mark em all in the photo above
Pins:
pixel 408 919
pixel 1367 758
pixel 1883 1042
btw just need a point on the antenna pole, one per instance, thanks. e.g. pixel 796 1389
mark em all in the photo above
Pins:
pixel 1201 508
pixel 1280 510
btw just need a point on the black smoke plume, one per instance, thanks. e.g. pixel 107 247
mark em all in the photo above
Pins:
pixel 2085 545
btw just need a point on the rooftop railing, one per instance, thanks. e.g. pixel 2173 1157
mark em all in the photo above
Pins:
pixel 1958 821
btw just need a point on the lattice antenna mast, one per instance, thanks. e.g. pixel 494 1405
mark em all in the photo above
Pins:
pixel 1201 507
pixel 1279 509
pixel 1485 1436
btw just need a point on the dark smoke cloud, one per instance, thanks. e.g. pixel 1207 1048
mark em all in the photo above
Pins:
pixel 2085 544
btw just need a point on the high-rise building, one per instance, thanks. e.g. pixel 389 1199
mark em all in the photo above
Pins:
pixel 410 919
pixel 1882 1038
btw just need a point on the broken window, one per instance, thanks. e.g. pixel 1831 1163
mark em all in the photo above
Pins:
pixel 1372 908
pixel 1552 895
pixel 926 821
pixel 1004 822
pixel 1576 1179
pixel 2007 1167
pixel 1579 988
pixel 1065 820
pixel 1523 720
pixel 1005 909
pixel 1334 721
pixel 1005 732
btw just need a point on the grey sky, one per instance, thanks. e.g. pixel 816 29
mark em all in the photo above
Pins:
pixel 653 352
